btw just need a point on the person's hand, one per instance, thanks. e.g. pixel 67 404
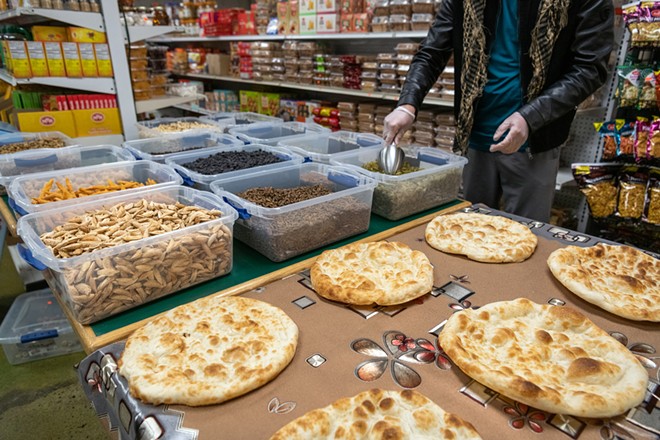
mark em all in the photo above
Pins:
pixel 397 123
pixel 518 132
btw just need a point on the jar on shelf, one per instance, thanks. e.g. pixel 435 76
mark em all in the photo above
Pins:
pixel 72 5
pixel 160 17
pixel 85 6
pixel 96 7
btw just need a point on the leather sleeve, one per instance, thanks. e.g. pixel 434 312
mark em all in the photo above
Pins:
pixel 592 44
pixel 431 58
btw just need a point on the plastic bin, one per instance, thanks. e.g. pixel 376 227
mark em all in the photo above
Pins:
pixel 203 181
pixel 14 138
pixel 23 189
pixel 149 129
pixel 322 147
pixel 108 281
pixel 159 149
pixel 230 120
pixel 51 159
pixel 396 197
pixel 35 328
pixel 285 232
pixel 271 133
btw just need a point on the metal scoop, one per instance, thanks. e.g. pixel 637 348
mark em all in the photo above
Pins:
pixel 390 158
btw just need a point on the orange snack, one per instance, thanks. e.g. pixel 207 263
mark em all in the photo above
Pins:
pixel 65 192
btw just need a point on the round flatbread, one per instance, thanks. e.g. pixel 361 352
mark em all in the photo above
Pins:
pixel 549 357
pixel 384 273
pixel 619 279
pixel 208 351
pixel 379 414
pixel 480 237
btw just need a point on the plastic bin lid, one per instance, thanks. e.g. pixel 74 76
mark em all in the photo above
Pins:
pixel 33 316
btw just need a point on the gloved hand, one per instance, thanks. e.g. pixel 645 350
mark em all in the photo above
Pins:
pixel 518 132
pixel 397 123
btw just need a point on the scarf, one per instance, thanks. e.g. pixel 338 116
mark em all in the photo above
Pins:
pixel 552 18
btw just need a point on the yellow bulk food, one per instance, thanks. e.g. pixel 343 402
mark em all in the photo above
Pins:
pixel 54 191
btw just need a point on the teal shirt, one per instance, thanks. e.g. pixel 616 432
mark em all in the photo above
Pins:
pixel 502 94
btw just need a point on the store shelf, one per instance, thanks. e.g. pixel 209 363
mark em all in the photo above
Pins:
pixel 98 85
pixel 564 178
pixel 141 33
pixel 90 20
pixel 162 102
pixel 194 108
pixel 340 36
pixel 329 90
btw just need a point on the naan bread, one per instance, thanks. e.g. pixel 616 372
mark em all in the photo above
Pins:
pixel 208 351
pixel 619 279
pixel 549 357
pixel 379 414
pixel 384 273
pixel 480 237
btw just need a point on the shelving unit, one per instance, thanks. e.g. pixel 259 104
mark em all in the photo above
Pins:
pixel 98 85
pixel 339 36
pixel 162 102
pixel 90 20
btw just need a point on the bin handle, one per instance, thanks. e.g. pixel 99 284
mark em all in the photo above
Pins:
pixel 242 212
pixel 12 204
pixel 432 159
pixel 186 180
pixel 26 254
pixel 46 160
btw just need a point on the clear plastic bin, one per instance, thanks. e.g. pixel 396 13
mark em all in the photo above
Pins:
pixel 285 232
pixel 35 327
pixel 229 120
pixel 17 142
pixel 51 159
pixel 159 149
pixel 203 181
pixel 23 189
pixel 108 281
pixel 396 197
pixel 149 129
pixel 271 133
pixel 321 148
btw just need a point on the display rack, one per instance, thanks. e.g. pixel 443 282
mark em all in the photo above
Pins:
pixel 337 36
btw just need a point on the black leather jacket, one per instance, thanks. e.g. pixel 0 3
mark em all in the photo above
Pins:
pixel 578 66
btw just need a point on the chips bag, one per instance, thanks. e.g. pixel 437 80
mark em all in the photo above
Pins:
pixel 629 86
pixel 652 205
pixel 632 192
pixel 642 136
pixel 608 132
pixel 598 183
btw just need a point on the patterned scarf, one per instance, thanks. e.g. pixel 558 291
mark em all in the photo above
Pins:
pixel 552 18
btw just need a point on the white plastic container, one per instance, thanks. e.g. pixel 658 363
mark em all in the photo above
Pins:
pixel 35 328
pixel 230 120
pixel 149 129
pixel 160 148
pixel 203 181
pixel 322 147
pixel 24 188
pixel 285 232
pixel 108 281
pixel 395 197
pixel 52 159
pixel 271 133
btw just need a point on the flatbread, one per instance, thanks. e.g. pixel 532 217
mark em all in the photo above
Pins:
pixel 480 237
pixel 549 357
pixel 379 414
pixel 384 273
pixel 208 351
pixel 619 279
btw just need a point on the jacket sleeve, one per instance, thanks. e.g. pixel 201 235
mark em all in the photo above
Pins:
pixel 431 58
pixel 593 42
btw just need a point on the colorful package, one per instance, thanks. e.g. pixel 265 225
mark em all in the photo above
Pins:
pixel 632 192
pixel 608 132
pixel 629 86
pixel 642 135
pixel 647 96
pixel 653 151
pixel 652 205
pixel 598 183
pixel 626 140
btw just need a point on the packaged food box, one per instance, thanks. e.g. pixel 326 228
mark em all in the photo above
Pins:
pixel 423 6
pixel 85 35
pixel 162 126
pixel 107 281
pixel 37 54
pixel 380 23
pixel 35 327
pixel 400 23
pixel 54 58
pixel 87 183
pixel 322 147
pixel 284 232
pixel 396 196
pixel 271 133
pixel 49 33
pixel 160 148
pixel 202 180
pixel 421 22
pixel 72 61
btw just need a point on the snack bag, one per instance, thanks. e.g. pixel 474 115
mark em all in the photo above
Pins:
pixel 642 136
pixel 653 151
pixel 632 192
pixel 631 18
pixel 647 97
pixel 626 139
pixel 598 183
pixel 608 132
pixel 652 205
pixel 629 86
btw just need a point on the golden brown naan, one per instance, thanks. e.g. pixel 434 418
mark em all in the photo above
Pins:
pixel 379 414
pixel 549 357
pixel 384 273
pixel 619 279
pixel 208 351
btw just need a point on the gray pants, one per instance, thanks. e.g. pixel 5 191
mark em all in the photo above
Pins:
pixel 525 186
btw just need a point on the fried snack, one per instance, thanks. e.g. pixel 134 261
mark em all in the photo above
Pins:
pixel 65 192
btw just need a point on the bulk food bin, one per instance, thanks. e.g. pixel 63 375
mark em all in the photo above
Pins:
pixel 23 189
pixel 287 231
pixel 160 148
pixel 35 327
pixel 203 181
pixel 230 120
pixel 110 280
pixel 398 196
pixel 322 147
pixel 164 126
pixel 271 133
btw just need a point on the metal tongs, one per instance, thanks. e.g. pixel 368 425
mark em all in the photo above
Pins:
pixel 390 158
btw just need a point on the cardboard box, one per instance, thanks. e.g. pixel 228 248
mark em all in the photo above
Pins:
pixel 306 7
pixel 97 122
pixel 72 60
pixel 54 58
pixel 35 122
pixel 103 61
pixel 249 101
pixel 37 55
pixel 283 17
pixel 84 35
pixel 6 55
pixel 218 64
pixel 269 104
pixel 327 23
pixel 49 33
pixel 88 60
pixel 307 24
pixel 324 6
pixel 20 62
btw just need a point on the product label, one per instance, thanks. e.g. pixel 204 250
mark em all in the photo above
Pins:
pixel 20 61
pixel 88 59
pixel 37 58
pixel 72 60
pixel 54 59
pixel 103 61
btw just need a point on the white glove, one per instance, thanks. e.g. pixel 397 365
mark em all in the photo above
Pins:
pixel 396 124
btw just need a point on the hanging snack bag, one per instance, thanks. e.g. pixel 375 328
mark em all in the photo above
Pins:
pixel 626 140
pixel 632 192
pixel 629 86
pixel 652 206
pixel 608 132
pixel 653 151
pixel 631 18
pixel 598 183
pixel 642 136
pixel 647 97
